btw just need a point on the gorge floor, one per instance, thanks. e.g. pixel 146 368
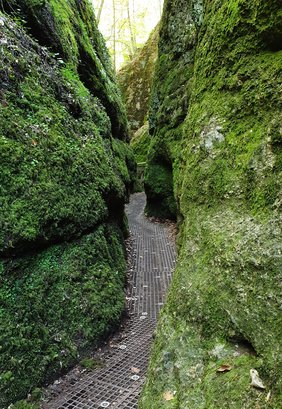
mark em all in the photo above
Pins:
pixel 118 382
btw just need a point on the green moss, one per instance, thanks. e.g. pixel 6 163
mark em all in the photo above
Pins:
pixel 55 144
pixel 170 97
pixel 225 156
pixel 91 363
pixel 158 185
pixel 140 144
pixel 124 164
pixel 161 173
pixel 66 171
pixel 70 30
pixel 55 304
pixel 23 404
pixel 33 401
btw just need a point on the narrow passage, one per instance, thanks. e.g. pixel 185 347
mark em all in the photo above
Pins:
pixel 119 382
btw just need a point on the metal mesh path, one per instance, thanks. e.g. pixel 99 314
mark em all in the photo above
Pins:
pixel 118 383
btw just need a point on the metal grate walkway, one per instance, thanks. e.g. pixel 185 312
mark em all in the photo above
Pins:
pixel 118 383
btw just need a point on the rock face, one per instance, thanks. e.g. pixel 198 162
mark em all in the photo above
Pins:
pixel 135 81
pixel 66 171
pixel 215 162
pixel 140 143
pixel 169 101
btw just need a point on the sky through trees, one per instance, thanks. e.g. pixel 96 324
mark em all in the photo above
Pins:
pixel 126 25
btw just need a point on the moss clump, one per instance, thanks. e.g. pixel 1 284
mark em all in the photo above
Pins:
pixel 32 402
pixel 158 185
pixel 55 304
pixel 140 144
pixel 227 183
pixel 69 29
pixel 23 404
pixel 91 363
pixel 185 365
pixel 56 145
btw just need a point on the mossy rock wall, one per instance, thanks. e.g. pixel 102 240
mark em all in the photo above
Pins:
pixel 135 81
pixel 66 171
pixel 170 97
pixel 68 28
pixel 224 305
pixel 140 143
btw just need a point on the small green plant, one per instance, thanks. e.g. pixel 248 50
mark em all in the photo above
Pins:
pixel 23 404
pixel 91 363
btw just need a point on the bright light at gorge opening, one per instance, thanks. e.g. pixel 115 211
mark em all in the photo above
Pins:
pixel 126 25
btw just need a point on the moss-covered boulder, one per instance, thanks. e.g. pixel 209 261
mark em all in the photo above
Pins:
pixel 223 313
pixel 140 143
pixel 135 81
pixel 66 171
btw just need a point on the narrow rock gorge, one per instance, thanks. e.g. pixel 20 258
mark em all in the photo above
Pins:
pixel 215 165
pixel 135 81
pixel 213 158
pixel 66 172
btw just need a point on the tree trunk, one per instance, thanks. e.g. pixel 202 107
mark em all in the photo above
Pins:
pixel 100 11
pixel 161 8
pixel 114 35
pixel 131 29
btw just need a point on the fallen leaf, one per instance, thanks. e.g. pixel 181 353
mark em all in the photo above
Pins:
pixel 135 370
pixel 256 381
pixel 168 395
pixel 224 368
pixel 267 399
